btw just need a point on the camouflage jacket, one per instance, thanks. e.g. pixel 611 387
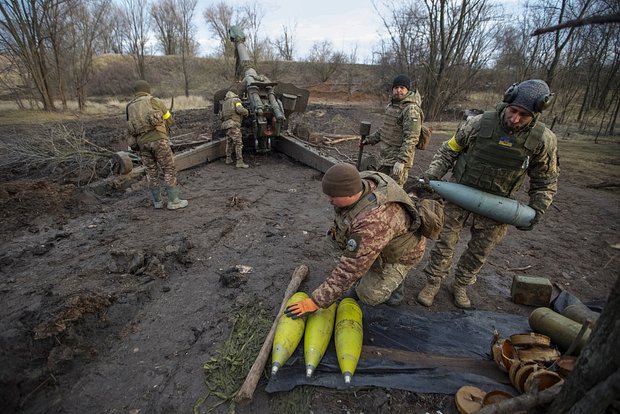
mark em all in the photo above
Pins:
pixel 400 132
pixel 157 132
pixel 232 111
pixel 541 159
pixel 369 233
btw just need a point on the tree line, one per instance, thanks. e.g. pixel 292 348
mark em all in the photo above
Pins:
pixel 450 48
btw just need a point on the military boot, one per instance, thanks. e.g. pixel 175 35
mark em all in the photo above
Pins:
pixel 156 196
pixel 229 159
pixel 229 152
pixel 429 291
pixel 397 296
pixel 174 201
pixel 460 295
pixel 239 154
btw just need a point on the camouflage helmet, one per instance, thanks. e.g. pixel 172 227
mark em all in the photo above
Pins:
pixel 141 86
pixel 341 180
pixel 532 95
pixel 231 94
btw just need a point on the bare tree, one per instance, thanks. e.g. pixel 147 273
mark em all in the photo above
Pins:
pixel 138 34
pixel 285 43
pixel 186 10
pixel 114 26
pixel 442 44
pixel 324 61
pixel 165 18
pixel 86 28
pixel 23 37
pixel 252 14
pixel 220 18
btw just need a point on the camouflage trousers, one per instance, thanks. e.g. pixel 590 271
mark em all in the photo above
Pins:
pixel 485 235
pixel 234 142
pixel 158 156
pixel 373 163
pixel 382 279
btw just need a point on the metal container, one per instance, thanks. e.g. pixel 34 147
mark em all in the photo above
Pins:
pixel 562 330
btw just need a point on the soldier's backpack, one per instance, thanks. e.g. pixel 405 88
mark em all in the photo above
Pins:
pixel 425 137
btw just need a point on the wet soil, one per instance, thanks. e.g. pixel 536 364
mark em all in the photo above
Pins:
pixel 110 306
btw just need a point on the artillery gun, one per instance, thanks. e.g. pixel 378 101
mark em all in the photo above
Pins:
pixel 269 103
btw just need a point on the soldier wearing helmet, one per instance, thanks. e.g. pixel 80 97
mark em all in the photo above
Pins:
pixel 493 152
pixel 148 120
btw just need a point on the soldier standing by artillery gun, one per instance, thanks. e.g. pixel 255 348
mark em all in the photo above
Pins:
pixel 149 120
pixel 232 114
pixel 400 133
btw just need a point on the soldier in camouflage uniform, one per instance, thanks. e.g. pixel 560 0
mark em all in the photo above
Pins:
pixel 232 113
pixel 148 120
pixel 378 231
pixel 492 152
pixel 400 132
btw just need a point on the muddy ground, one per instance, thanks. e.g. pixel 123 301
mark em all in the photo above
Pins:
pixel 109 306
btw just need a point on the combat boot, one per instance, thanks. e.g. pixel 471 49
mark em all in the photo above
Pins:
pixel 241 164
pixel 460 295
pixel 429 291
pixel 174 201
pixel 157 200
pixel 229 159
pixel 397 296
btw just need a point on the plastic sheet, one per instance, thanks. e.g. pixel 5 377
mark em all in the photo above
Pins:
pixel 415 350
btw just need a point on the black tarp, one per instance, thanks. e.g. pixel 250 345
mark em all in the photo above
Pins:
pixel 415 350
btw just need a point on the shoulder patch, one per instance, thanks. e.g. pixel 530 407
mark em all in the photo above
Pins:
pixel 352 245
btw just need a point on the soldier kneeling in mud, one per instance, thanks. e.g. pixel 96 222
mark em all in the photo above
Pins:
pixel 380 233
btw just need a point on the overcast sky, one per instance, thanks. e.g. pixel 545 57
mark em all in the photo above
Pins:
pixel 346 23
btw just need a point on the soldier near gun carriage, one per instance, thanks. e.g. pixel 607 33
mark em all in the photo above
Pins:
pixel 400 133
pixel 149 120
pixel 232 114
pixel 379 232
pixel 492 152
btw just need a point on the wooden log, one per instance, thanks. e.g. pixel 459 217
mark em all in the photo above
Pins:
pixel 251 380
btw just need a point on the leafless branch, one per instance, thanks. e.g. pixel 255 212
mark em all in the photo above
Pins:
pixel 610 18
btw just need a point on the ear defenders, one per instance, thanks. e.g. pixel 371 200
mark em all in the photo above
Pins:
pixel 540 103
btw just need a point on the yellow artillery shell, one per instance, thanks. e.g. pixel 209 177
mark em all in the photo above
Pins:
pixel 288 335
pixel 348 337
pixel 319 328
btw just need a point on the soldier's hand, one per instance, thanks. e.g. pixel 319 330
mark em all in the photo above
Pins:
pixel 534 221
pixel 398 169
pixel 302 308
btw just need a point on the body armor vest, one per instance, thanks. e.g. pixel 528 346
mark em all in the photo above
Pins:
pixel 391 130
pixel 497 162
pixel 230 117
pixel 142 117
pixel 386 191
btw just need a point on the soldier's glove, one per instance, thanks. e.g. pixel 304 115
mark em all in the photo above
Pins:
pixel 535 220
pixel 419 186
pixel 398 169
pixel 300 309
pixel 370 140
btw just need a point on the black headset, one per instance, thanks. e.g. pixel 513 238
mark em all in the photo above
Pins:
pixel 542 102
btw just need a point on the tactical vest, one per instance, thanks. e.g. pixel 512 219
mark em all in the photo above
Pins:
pixel 497 162
pixel 142 117
pixel 391 131
pixel 386 191
pixel 230 116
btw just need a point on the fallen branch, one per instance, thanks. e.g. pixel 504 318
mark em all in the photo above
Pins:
pixel 339 140
pixel 249 385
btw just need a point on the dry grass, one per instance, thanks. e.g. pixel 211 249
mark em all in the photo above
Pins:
pixel 10 114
